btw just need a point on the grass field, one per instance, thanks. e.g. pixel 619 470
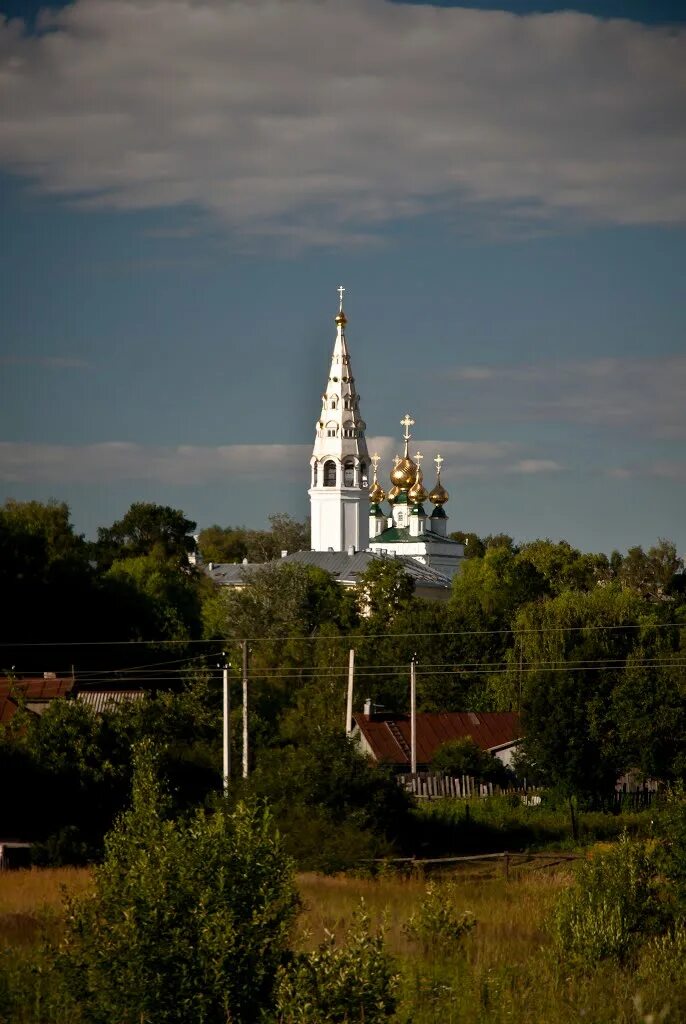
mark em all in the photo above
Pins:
pixel 502 971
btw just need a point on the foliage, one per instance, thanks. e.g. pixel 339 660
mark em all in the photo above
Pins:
pixel 383 589
pixel 671 827
pixel 437 922
pixel 234 543
pixel 147 529
pixel 347 808
pixel 465 757
pixel 188 920
pixel 612 906
pixel 340 984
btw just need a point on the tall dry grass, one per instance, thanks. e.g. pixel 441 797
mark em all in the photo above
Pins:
pixel 33 896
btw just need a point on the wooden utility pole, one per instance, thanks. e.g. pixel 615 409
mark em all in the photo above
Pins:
pixel 349 702
pixel 244 645
pixel 413 717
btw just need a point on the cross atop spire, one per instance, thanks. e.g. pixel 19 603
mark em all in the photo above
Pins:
pixel 439 460
pixel 407 422
pixel 340 290
pixel 418 458
pixel 375 460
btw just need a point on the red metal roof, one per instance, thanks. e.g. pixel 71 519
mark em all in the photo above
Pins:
pixel 36 688
pixel 388 736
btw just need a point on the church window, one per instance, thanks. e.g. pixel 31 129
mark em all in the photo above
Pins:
pixel 349 473
pixel 363 474
pixel 330 474
pixel 334 402
pixel 347 403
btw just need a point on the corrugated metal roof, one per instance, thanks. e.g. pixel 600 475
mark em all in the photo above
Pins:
pixel 100 700
pixel 343 567
pixel 388 736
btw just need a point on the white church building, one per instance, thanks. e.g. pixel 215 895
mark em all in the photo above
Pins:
pixel 346 513
pixel 349 524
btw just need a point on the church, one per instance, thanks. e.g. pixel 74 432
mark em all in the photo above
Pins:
pixel 349 524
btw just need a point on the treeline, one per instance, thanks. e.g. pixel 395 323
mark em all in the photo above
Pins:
pixel 590 649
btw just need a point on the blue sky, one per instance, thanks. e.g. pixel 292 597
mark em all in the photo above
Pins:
pixel 502 192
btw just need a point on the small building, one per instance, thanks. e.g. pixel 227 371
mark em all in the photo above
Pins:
pixel 34 693
pixel 386 738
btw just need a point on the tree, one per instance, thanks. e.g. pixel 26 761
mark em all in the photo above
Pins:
pixel 474 547
pixel 652 575
pixel 187 920
pixel 564 567
pixel 465 757
pixel 383 589
pixel 223 544
pixel 147 529
pixel 572 649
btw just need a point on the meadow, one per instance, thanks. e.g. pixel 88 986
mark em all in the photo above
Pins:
pixel 502 969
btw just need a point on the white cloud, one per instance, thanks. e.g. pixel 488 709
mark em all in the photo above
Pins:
pixel 192 465
pixel 661 469
pixel 324 120
pixel 644 396
pixel 531 466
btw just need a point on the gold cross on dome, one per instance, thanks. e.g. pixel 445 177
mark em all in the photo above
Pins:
pixel 418 458
pixel 407 422
pixel 341 289
pixel 439 462
pixel 376 459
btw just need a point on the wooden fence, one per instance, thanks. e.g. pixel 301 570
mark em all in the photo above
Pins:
pixel 435 786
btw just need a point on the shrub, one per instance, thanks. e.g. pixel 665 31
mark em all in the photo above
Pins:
pixel 612 905
pixel 437 921
pixel 340 985
pixel 188 920
pixel 465 757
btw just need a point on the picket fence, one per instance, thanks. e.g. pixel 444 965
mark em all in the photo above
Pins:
pixel 433 786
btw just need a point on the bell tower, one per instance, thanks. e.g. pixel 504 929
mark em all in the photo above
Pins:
pixel 339 467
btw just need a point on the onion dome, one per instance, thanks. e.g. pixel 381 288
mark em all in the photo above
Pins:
pixel 418 492
pixel 439 495
pixel 393 494
pixel 376 493
pixel 404 473
pixel 341 319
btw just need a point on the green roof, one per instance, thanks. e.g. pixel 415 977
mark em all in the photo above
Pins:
pixel 401 535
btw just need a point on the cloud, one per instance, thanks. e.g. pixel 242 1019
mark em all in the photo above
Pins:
pixel 48 362
pixel 643 396
pixel 323 120
pixel 193 465
pixel 25 462
pixel 531 466
pixel 661 469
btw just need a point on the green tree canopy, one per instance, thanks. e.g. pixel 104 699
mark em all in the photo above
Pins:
pixel 147 529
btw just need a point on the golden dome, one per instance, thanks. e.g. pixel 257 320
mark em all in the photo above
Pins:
pixel 393 494
pixel 439 495
pixel 418 492
pixel 341 319
pixel 376 493
pixel 404 473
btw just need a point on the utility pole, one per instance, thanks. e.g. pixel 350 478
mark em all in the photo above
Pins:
pixel 413 716
pixel 226 739
pixel 244 646
pixel 349 703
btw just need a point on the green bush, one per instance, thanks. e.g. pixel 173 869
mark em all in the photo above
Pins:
pixel 611 907
pixel 340 985
pixel 189 921
pixel 437 922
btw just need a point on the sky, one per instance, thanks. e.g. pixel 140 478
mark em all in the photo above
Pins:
pixel 500 187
